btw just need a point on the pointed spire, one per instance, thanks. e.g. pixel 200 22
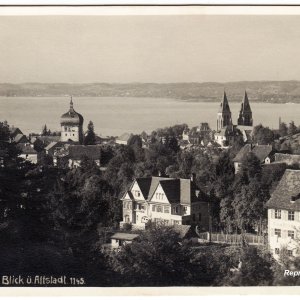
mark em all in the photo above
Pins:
pixel 71 103
pixel 224 106
pixel 245 106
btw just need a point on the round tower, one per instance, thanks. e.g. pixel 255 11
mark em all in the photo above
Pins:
pixel 71 125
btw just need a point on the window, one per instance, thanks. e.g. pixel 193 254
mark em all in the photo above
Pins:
pixel 291 216
pixel 137 217
pixel 159 209
pixel 278 232
pixel 124 205
pixel 277 214
pixel 185 209
pixel 66 134
pixel 142 207
pixel 277 251
pixel 167 209
pixel 137 193
pixel 290 252
pixel 153 207
pixel 175 210
pixel 291 234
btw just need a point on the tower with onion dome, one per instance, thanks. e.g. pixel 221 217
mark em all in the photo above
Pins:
pixel 71 125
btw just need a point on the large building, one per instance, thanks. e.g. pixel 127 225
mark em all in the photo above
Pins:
pixel 226 131
pixel 167 201
pixel 71 126
pixel 284 215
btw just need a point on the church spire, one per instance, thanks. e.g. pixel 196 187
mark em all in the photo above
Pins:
pixel 245 106
pixel 245 116
pixel 224 113
pixel 224 106
pixel 71 104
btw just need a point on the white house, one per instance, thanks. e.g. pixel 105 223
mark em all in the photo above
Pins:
pixel 28 152
pixel 284 215
pixel 167 201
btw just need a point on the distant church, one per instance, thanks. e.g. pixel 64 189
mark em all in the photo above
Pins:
pixel 226 131
pixel 71 126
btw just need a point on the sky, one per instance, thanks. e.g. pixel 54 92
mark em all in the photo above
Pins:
pixel 161 48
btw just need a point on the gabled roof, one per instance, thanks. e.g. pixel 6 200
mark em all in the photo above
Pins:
pixel 288 189
pixel 90 151
pixel 124 236
pixel 144 184
pixel 260 151
pixel 20 138
pixel 26 148
pixel 51 145
pixel 171 189
pixel 182 230
pixel 224 105
pixel 125 137
pixel 14 131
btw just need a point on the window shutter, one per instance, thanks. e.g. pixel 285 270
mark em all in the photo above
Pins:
pixel 272 213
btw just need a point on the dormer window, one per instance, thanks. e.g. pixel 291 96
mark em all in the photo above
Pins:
pixel 295 197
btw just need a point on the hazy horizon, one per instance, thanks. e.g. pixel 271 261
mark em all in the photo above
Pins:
pixel 149 49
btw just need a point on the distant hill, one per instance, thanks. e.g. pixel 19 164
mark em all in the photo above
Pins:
pixel 261 91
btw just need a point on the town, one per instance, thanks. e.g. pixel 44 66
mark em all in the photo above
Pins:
pixel 177 206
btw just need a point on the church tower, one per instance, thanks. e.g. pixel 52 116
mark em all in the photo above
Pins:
pixel 71 126
pixel 224 114
pixel 245 116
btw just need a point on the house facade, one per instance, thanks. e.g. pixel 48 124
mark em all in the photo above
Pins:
pixel 284 215
pixel 162 200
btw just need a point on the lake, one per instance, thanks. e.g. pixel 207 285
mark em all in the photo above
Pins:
pixel 114 116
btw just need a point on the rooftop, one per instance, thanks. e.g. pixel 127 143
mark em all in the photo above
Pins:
pixel 176 190
pixel 124 236
pixel 90 151
pixel 287 193
pixel 260 151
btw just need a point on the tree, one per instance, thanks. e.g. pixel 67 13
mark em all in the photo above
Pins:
pixel 135 141
pixel 156 258
pixel 256 269
pixel 292 128
pixel 90 138
pixel 263 135
pixel 283 129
